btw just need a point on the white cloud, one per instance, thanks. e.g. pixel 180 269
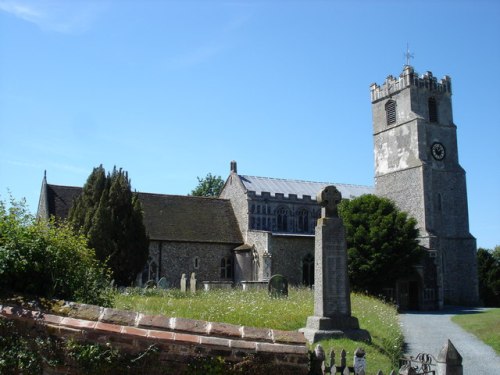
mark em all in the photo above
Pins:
pixel 67 17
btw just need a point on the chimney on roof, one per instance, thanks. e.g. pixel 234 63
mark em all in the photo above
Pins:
pixel 234 167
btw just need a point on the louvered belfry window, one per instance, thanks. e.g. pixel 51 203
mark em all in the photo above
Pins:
pixel 433 115
pixel 390 112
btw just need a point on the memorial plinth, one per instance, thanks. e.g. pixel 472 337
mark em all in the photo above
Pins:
pixel 332 301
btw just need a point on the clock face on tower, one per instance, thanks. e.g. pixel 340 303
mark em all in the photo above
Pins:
pixel 438 151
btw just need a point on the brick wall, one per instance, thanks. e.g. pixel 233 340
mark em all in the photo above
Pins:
pixel 178 339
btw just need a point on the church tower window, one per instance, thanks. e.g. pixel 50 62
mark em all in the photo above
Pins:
pixel 433 114
pixel 390 112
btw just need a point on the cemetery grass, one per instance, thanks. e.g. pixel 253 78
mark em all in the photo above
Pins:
pixel 257 309
pixel 484 324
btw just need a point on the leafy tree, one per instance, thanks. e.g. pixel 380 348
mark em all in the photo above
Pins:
pixel 210 186
pixel 488 268
pixel 110 215
pixel 381 240
pixel 48 259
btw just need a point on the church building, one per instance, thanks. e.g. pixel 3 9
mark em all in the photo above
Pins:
pixel 260 226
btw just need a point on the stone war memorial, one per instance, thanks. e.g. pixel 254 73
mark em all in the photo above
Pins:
pixel 332 301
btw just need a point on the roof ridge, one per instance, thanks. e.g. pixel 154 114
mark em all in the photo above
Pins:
pixel 315 182
pixel 183 196
pixel 146 193
pixel 66 186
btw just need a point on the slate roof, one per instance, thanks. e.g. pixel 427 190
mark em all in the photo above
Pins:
pixel 300 188
pixel 168 217
pixel 187 218
pixel 60 199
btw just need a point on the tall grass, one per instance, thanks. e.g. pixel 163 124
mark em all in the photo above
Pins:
pixel 256 309
pixel 249 308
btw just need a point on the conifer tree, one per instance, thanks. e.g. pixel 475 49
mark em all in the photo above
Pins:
pixel 111 216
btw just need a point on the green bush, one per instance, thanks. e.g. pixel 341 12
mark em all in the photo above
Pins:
pixel 48 259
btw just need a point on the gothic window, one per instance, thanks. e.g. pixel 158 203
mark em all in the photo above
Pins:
pixel 433 115
pixel 196 263
pixel 390 112
pixel 226 268
pixel 303 221
pixel 282 219
pixel 308 270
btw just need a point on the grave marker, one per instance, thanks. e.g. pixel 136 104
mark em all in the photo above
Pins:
pixel 192 283
pixel 183 283
pixel 278 286
pixel 163 283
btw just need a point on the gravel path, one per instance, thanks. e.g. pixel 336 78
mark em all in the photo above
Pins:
pixel 428 331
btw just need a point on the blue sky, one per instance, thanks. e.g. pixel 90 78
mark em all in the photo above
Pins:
pixel 172 90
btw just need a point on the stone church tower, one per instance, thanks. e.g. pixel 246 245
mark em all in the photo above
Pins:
pixel 416 165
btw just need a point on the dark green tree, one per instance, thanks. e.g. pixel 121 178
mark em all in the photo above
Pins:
pixel 381 241
pixel 488 269
pixel 210 186
pixel 110 215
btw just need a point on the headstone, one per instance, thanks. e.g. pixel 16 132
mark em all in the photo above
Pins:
pixel 359 360
pixel 278 286
pixel 183 283
pixel 332 300
pixel 150 284
pixel 163 283
pixel 192 283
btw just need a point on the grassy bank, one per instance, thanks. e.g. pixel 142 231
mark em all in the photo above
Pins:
pixel 256 309
pixel 484 324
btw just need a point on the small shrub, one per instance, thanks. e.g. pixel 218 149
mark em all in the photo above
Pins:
pixel 48 259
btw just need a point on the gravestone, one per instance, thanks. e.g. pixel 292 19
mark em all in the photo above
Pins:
pixel 278 286
pixel 183 283
pixel 150 284
pixel 332 300
pixel 359 362
pixel 163 283
pixel 192 283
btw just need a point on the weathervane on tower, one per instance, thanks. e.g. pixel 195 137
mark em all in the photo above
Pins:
pixel 408 55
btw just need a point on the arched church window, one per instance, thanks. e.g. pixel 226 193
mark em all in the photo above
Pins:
pixel 226 268
pixel 282 220
pixel 433 114
pixel 308 270
pixel 303 221
pixel 390 112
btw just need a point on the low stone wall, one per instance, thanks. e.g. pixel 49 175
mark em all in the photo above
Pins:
pixel 179 340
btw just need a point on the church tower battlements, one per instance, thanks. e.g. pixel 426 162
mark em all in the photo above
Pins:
pixel 417 166
pixel 409 78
